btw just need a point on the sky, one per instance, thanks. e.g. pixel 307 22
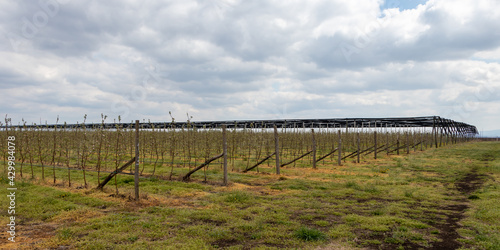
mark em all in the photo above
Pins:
pixel 261 59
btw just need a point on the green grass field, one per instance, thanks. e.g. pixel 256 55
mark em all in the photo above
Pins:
pixel 443 198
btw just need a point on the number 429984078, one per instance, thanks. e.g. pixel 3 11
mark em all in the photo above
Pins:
pixel 11 151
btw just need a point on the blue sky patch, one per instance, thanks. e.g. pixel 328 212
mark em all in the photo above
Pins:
pixel 402 4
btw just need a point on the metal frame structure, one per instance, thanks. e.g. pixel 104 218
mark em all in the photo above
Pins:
pixel 437 123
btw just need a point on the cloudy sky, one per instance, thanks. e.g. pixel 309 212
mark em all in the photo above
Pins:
pixel 261 59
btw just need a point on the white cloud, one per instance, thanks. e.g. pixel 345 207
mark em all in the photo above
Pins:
pixel 231 59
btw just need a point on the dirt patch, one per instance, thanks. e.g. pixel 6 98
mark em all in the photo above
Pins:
pixel 309 219
pixel 29 236
pixel 487 157
pixel 338 246
pixel 470 183
pixel 273 245
pixel 377 199
pixel 364 236
pixel 448 235
pixel 225 243
pixel 212 222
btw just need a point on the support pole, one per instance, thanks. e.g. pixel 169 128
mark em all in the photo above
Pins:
pixel 387 141
pixel 397 143
pixel 421 141
pixel 277 149
pixel 298 158
pixel 313 149
pixel 359 149
pixel 224 152
pixel 441 132
pixel 340 149
pixel 323 157
pixel 258 163
pixel 434 132
pixel 112 174
pixel 136 173
pixel 186 177
pixel 375 137
pixel 407 142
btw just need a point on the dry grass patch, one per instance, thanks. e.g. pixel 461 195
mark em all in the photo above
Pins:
pixel 80 215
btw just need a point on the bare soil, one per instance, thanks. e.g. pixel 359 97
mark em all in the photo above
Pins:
pixel 448 230
pixel 448 235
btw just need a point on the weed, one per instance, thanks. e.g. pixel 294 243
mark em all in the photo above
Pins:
pixel 399 163
pixel 237 197
pixel 372 242
pixel 353 185
pixel 132 238
pixel 322 223
pixel 394 240
pixel 409 193
pixel 473 197
pixel 218 233
pixel 65 234
pixel 309 234
pixel 378 211
pixel 371 189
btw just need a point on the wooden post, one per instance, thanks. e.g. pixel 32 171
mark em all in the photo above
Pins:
pixel 397 143
pixel 346 126
pixel 407 142
pixel 313 149
pixel 340 149
pixel 434 132
pixel 440 133
pixel 387 141
pixel 136 173
pixel 276 149
pixel 421 141
pixel 375 152
pixel 224 152
pixel 359 149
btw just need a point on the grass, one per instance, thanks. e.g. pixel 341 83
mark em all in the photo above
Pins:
pixel 309 234
pixel 390 202
pixel 481 226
